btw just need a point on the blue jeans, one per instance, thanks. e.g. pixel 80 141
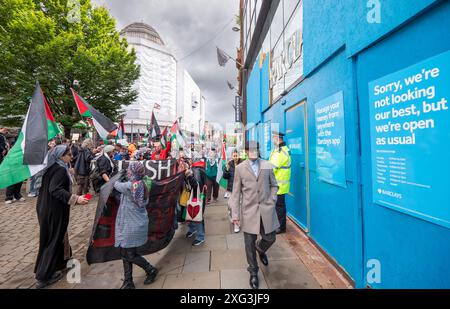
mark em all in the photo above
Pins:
pixel 199 228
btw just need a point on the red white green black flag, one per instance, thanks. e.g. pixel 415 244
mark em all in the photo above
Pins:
pixel 102 124
pixel 29 154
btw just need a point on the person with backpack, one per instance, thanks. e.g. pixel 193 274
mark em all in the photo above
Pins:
pixel 132 224
pixel 83 166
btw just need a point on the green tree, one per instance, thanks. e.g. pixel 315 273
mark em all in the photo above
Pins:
pixel 57 42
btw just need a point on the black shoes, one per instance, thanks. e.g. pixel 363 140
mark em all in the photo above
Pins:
pixel 262 256
pixel 190 234
pixel 55 278
pixel 254 282
pixel 280 231
pixel 151 275
pixel 128 285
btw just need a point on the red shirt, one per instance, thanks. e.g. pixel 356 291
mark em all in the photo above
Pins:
pixel 163 154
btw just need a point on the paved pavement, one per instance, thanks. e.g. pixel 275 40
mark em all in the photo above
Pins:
pixel 220 263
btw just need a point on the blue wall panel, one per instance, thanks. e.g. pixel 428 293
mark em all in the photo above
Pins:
pixel 360 33
pixel 413 253
pixel 254 96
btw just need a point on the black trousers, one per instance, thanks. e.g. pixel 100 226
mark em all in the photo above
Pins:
pixel 130 257
pixel 267 240
pixel 213 187
pixel 13 192
pixel 281 211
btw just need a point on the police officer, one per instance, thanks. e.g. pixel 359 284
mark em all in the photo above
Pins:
pixel 280 157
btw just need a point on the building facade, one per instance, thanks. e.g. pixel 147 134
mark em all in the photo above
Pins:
pixel 359 89
pixel 164 83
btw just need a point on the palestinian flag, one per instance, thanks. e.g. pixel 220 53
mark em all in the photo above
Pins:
pixel 177 135
pixel 29 154
pixel 102 124
pixel 154 130
pixel 222 164
pixel 121 130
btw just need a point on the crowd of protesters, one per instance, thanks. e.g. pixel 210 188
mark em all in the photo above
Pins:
pixel 73 169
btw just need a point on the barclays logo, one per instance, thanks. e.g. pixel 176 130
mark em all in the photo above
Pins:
pixel 390 193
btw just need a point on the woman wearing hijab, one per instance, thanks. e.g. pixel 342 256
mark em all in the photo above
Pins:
pixel 53 211
pixel 132 224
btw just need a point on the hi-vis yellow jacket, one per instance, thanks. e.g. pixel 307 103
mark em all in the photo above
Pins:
pixel 281 159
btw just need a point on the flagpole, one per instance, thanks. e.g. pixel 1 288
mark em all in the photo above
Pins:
pixel 131 139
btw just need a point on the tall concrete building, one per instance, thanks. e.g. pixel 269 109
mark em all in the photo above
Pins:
pixel 163 82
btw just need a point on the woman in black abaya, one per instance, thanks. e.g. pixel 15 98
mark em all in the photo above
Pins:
pixel 53 211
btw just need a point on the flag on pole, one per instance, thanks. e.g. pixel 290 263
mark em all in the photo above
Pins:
pixel 29 154
pixel 222 163
pixel 102 124
pixel 222 57
pixel 177 135
pixel 156 106
pixel 120 131
pixel 154 127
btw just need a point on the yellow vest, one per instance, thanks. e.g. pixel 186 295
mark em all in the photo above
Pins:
pixel 281 160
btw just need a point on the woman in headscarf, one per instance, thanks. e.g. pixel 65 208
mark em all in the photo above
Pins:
pixel 53 211
pixel 132 224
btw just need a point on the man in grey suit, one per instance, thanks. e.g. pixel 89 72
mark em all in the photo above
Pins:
pixel 255 183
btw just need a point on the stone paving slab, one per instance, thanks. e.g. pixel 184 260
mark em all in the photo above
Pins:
pixel 217 225
pixel 197 262
pixel 281 250
pixel 228 259
pixel 212 243
pixel 239 279
pixel 235 241
pixel 288 274
pixel 101 281
pixel 205 280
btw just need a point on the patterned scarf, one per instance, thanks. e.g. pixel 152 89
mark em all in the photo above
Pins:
pixel 136 172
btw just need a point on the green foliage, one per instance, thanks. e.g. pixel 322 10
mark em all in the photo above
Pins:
pixel 39 42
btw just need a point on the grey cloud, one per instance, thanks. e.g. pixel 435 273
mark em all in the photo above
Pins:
pixel 184 26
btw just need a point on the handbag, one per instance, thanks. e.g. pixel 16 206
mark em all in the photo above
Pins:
pixel 184 197
pixel 194 210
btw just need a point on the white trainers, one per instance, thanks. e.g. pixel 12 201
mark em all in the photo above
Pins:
pixel 9 202
pixel 21 199
pixel 32 195
pixel 236 228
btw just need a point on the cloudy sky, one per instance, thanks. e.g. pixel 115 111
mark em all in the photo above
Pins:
pixel 185 26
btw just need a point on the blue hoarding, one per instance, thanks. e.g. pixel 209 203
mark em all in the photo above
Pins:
pixel 410 140
pixel 330 135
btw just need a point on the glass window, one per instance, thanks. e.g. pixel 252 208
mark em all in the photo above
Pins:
pixel 266 43
pixel 276 28
pixel 277 70
pixel 258 8
pixel 289 8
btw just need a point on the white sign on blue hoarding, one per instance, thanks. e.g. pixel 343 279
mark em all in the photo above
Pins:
pixel 410 139
pixel 330 139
